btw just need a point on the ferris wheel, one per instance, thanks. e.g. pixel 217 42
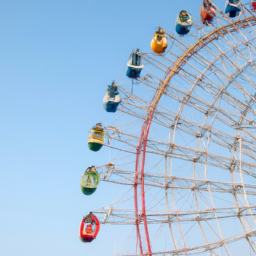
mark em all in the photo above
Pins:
pixel 185 140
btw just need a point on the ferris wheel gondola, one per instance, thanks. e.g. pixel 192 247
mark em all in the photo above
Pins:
pixel 232 8
pixel 183 23
pixel 134 65
pixel 159 41
pixel 253 5
pixel 96 138
pixel 89 232
pixel 112 98
pixel 207 12
pixel 90 180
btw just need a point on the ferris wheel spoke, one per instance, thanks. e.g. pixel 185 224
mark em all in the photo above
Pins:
pixel 157 180
pixel 191 127
pixel 126 216
pixel 187 154
pixel 187 121
pixel 230 121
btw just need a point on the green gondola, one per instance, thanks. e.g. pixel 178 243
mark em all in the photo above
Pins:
pixel 90 181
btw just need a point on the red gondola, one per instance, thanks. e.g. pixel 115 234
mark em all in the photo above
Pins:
pixel 253 5
pixel 89 233
pixel 207 12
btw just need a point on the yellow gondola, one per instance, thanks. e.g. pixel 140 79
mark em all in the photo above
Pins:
pixel 96 138
pixel 159 41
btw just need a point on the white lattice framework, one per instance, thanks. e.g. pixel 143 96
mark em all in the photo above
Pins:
pixel 196 107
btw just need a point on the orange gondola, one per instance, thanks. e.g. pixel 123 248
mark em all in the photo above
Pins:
pixel 159 41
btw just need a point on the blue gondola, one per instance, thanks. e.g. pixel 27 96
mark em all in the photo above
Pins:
pixel 112 98
pixel 232 8
pixel 134 65
pixel 183 23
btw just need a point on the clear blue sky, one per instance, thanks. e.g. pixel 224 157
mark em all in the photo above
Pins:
pixel 56 59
